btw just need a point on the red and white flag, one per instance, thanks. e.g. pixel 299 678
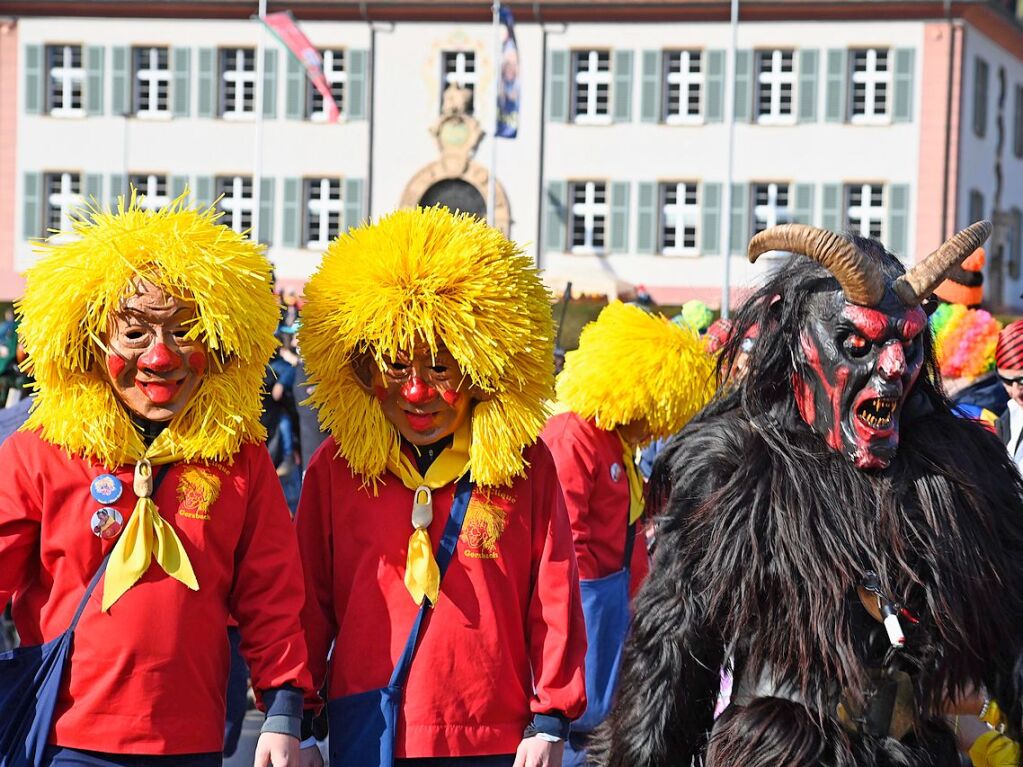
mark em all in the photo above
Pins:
pixel 283 25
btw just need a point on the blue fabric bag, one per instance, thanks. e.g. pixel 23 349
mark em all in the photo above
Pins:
pixel 30 680
pixel 363 727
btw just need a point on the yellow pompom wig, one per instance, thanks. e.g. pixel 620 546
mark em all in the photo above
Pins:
pixel 77 286
pixel 427 275
pixel 630 365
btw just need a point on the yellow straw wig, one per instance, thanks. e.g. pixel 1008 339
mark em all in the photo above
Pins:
pixel 81 281
pixel 429 276
pixel 632 365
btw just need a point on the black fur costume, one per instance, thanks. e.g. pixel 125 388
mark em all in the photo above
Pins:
pixel 767 532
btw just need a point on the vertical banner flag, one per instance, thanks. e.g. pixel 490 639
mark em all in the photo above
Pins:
pixel 508 92
pixel 283 25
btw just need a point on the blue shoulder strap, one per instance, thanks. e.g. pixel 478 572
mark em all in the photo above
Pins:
pixel 446 550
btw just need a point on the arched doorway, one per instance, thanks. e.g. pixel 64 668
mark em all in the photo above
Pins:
pixel 458 196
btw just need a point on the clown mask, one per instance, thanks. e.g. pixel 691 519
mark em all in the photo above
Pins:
pixel 424 395
pixel 152 365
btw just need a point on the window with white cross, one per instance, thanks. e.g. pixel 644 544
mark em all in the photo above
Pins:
pixel 334 73
pixel 63 195
pixel 770 205
pixel 589 213
pixel 66 80
pixel 871 84
pixel 776 85
pixel 153 190
pixel 236 201
pixel 591 87
pixel 322 211
pixel 152 81
pixel 680 215
pixel 864 209
pixel 683 85
pixel 459 68
pixel 237 83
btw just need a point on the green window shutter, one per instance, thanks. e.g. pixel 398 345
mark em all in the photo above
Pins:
pixel 354 211
pixel 802 212
pixel 650 88
pixel 808 69
pixel 120 75
pixel 743 85
pixel 266 211
pixel 837 76
pixel 619 216
pixel 714 109
pixel 557 89
pixel 902 108
pixel 118 187
pixel 182 82
pixel 1016 242
pixel 556 220
pixel 831 207
pixel 292 213
pixel 622 68
pixel 32 206
pixel 203 194
pixel 646 217
pixel 269 84
pixel 356 84
pixel 710 223
pixel 33 80
pixel 178 185
pixel 739 220
pixel 207 82
pixel 94 79
pixel 294 103
pixel 898 219
pixel 976 207
pixel 93 188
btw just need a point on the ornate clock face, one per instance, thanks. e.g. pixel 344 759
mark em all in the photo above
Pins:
pixel 454 133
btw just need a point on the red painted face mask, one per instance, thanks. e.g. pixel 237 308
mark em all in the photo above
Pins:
pixel 151 365
pixel 426 397
pixel 855 369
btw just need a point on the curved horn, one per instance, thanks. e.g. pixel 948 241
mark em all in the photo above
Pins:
pixel 920 281
pixel 861 282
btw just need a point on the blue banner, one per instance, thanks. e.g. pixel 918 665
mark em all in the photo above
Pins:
pixel 508 92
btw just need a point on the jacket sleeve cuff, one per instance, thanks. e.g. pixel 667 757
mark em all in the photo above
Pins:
pixel 284 725
pixel 283 701
pixel 554 724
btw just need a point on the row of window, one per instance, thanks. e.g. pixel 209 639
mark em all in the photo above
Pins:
pixel 772 86
pixel 981 101
pixel 683 217
pixel 322 210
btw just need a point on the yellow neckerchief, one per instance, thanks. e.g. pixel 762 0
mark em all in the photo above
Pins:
pixel 636 502
pixel 147 535
pixel 422 577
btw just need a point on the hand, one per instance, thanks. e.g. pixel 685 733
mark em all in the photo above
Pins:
pixel 534 752
pixel 277 749
pixel 310 757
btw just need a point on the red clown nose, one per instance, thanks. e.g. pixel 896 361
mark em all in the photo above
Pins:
pixel 160 359
pixel 416 392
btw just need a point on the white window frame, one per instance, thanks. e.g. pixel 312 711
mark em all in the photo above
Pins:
pixel 149 78
pixel 870 78
pixel 149 191
pixel 683 80
pixel 335 74
pixel 591 79
pixel 772 213
pixel 681 214
pixel 321 206
pixel 773 79
pixel 460 76
pixel 65 200
pixel 588 210
pixel 239 77
pixel 865 211
pixel 235 204
pixel 68 76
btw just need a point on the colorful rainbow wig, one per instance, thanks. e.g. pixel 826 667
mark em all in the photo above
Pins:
pixel 964 340
pixel 77 286
pixel 630 365
pixel 430 276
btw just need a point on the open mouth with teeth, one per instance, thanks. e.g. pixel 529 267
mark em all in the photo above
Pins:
pixel 878 412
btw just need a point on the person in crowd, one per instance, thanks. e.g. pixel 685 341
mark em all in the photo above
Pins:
pixel 662 377
pixel 148 333
pixel 428 338
pixel 1009 362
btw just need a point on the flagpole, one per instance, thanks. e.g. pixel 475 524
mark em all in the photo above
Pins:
pixel 726 281
pixel 492 176
pixel 257 169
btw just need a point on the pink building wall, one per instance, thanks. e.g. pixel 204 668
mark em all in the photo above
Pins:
pixel 11 284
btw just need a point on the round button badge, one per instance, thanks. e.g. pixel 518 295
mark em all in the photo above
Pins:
pixel 106 489
pixel 616 472
pixel 106 523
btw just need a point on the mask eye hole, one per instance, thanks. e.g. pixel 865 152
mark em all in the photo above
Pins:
pixel 856 345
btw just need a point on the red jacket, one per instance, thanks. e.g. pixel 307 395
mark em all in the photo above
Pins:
pixel 589 462
pixel 507 636
pixel 149 676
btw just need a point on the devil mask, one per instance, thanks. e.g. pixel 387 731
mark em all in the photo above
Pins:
pixel 151 362
pixel 861 349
